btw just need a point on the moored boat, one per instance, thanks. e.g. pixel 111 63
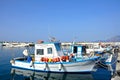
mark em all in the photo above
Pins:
pixel 49 57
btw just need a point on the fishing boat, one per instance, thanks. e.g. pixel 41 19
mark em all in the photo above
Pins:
pixel 49 57
pixel 108 61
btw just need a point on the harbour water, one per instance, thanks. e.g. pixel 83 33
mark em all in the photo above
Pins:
pixel 9 73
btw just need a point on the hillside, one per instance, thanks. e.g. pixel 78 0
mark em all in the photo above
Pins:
pixel 114 39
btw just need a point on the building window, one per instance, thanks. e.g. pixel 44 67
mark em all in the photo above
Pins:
pixel 49 50
pixel 40 51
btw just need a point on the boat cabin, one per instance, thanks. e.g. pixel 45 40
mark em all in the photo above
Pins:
pixel 48 50
pixel 79 50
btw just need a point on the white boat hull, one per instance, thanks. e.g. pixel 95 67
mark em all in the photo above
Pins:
pixel 84 66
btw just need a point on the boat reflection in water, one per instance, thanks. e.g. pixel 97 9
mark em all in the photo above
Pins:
pixel 21 74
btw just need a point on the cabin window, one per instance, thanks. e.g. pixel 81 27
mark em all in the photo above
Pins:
pixel 84 49
pixel 49 50
pixel 75 49
pixel 58 46
pixel 40 51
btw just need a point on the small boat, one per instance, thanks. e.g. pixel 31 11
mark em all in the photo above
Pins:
pixel 98 48
pixel 108 61
pixel 15 44
pixel 49 57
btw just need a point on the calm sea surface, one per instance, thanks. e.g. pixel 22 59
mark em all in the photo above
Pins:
pixel 9 73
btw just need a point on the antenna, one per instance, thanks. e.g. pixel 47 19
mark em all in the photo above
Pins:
pixel 74 39
pixel 50 38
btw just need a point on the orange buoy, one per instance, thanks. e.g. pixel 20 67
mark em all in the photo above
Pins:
pixel 97 54
pixel 46 60
pixel 42 59
pixel 53 59
pixel 58 59
pixel 63 58
pixel 67 57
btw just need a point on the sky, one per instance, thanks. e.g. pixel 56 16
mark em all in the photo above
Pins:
pixel 66 20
